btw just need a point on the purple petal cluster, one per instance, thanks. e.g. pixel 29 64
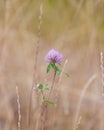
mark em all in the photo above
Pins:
pixel 54 56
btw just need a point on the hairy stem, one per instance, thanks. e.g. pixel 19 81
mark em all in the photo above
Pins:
pixel 44 106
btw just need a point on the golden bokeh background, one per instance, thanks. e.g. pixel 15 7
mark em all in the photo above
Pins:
pixel 73 27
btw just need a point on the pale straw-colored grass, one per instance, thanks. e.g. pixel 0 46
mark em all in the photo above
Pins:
pixel 19 108
pixel 77 113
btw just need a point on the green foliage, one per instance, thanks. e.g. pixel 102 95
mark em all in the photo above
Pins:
pixel 56 69
pixel 48 102
pixel 48 68
pixel 45 87
pixel 42 87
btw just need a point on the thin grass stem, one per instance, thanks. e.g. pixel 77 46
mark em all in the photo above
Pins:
pixel 19 109
pixel 35 65
pixel 77 114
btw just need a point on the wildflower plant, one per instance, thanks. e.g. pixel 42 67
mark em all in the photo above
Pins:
pixel 54 59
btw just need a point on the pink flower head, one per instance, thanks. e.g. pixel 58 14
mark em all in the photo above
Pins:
pixel 54 56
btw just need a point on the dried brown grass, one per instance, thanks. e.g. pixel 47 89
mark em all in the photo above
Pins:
pixel 78 34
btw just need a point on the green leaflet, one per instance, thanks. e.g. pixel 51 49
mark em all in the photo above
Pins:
pixel 57 70
pixel 48 68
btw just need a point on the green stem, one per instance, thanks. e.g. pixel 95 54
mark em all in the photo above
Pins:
pixel 52 85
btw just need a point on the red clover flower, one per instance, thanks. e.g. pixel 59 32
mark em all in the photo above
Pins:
pixel 54 56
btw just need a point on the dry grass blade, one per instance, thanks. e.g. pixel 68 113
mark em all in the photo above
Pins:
pixel 102 72
pixel 102 92
pixel 19 109
pixel 77 114
pixel 35 64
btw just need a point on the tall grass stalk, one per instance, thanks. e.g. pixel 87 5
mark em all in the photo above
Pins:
pixel 59 81
pixel 77 113
pixel 19 109
pixel 35 64
pixel 102 91
pixel 5 30
pixel 102 72
pixel 78 8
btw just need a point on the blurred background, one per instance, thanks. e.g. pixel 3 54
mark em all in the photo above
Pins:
pixel 73 27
